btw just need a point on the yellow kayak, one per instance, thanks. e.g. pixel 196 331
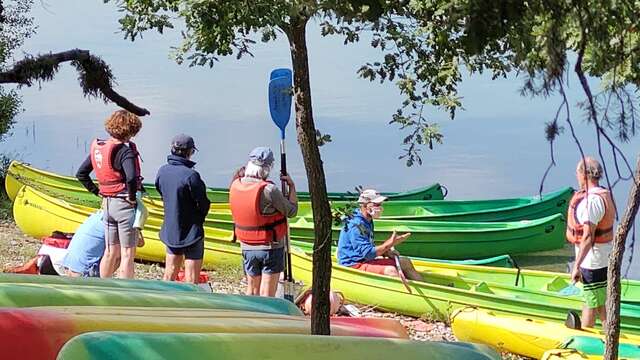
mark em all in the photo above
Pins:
pixel 525 336
pixel 38 215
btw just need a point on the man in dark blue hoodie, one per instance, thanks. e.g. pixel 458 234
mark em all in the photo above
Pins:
pixel 185 207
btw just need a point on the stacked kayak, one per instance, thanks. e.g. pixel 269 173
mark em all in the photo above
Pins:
pixel 20 295
pixel 439 294
pixel 533 337
pixel 435 239
pixel 38 214
pixel 515 209
pixel 102 345
pixel 124 284
pixel 19 174
pixel 43 331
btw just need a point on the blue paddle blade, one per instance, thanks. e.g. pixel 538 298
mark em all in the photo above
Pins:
pixel 570 290
pixel 280 101
pixel 282 72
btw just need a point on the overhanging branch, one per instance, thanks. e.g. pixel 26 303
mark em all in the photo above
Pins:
pixel 95 78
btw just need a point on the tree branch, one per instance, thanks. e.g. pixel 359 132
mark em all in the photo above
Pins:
pixel 95 75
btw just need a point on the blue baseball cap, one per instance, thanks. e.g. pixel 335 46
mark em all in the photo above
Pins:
pixel 262 156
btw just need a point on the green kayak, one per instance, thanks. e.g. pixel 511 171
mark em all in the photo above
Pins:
pixel 547 281
pixel 149 346
pixel 595 347
pixel 440 294
pixel 442 240
pixel 438 239
pixel 19 174
pixel 523 208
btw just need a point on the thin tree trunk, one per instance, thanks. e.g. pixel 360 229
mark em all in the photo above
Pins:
pixel 615 262
pixel 315 173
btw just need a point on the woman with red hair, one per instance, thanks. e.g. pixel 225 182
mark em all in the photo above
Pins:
pixel 116 162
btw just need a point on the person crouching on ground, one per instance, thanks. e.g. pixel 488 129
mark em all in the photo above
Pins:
pixel 260 213
pixel 116 162
pixel 356 248
pixel 185 208
pixel 86 248
pixel 590 221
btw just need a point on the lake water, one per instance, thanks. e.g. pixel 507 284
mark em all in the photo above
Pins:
pixel 495 148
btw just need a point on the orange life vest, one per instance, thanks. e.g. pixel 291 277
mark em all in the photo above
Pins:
pixel 250 225
pixel 110 181
pixel 604 229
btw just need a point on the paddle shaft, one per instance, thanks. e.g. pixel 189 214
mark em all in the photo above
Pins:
pixel 403 278
pixel 288 276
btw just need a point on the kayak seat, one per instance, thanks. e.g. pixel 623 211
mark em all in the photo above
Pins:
pixel 573 320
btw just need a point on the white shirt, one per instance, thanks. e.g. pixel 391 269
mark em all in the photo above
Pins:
pixel 592 209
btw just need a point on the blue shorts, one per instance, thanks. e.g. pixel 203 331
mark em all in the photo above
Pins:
pixel 194 251
pixel 257 262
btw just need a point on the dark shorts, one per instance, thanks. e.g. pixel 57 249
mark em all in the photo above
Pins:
pixel 194 251
pixel 594 287
pixel 257 262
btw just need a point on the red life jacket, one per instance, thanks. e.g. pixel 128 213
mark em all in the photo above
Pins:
pixel 250 225
pixel 110 181
pixel 604 229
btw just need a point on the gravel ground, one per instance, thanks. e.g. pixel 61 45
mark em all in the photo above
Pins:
pixel 16 248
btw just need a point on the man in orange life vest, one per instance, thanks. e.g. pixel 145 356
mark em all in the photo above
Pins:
pixel 116 162
pixel 260 212
pixel 590 227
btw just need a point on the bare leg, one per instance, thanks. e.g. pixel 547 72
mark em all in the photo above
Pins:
pixel 109 260
pixel 588 316
pixel 126 263
pixel 192 270
pixel 408 269
pixel 70 273
pixel 391 271
pixel 172 265
pixel 602 311
pixel 269 284
pixel 253 284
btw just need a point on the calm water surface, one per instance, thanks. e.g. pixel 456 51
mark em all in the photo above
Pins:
pixel 495 148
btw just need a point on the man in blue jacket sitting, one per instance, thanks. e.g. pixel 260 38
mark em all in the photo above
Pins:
pixel 356 248
pixel 185 208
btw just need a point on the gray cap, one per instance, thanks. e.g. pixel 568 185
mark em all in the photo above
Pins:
pixel 262 156
pixel 182 141
pixel 371 196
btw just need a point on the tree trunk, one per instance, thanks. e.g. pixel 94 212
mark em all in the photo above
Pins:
pixel 615 262
pixel 306 131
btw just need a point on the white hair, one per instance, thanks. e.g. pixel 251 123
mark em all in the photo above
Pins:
pixel 590 167
pixel 257 171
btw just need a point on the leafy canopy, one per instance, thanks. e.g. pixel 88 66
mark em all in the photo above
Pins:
pixel 426 44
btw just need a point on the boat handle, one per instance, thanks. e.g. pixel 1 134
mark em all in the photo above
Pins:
pixel 549 229
pixel 561 202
